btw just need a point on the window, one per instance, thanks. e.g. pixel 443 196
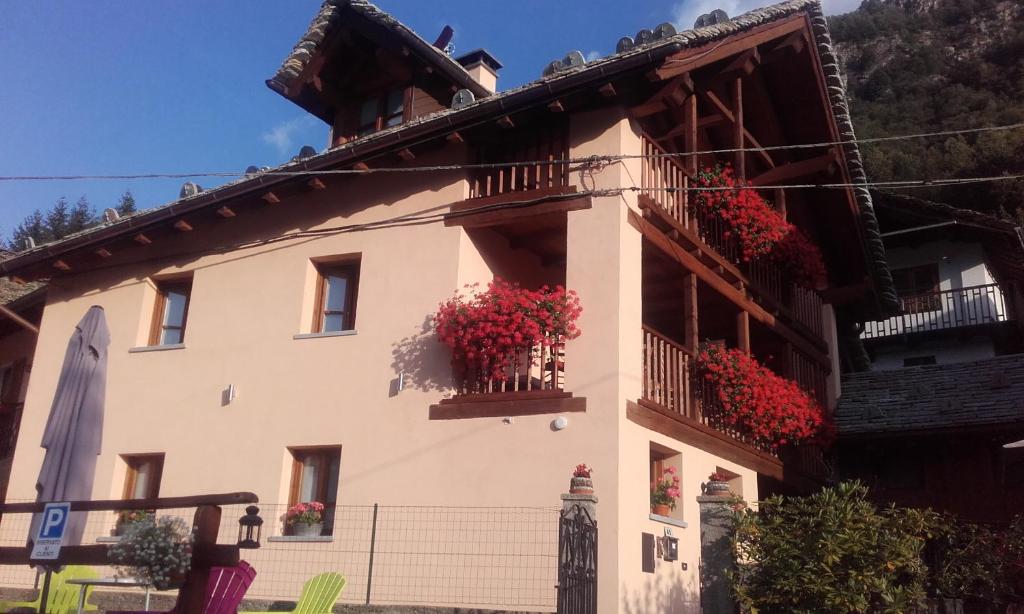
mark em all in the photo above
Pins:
pixel 170 312
pixel 336 297
pixel 662 461
pixel 142 478
pixel 917 287
pixel 315 478
pixel 381 112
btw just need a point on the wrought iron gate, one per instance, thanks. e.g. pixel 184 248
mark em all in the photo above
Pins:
pixel 577 561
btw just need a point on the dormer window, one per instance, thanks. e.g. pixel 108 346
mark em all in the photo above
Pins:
pixel 383 111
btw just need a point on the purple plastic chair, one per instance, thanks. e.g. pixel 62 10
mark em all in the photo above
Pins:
pixel 224 590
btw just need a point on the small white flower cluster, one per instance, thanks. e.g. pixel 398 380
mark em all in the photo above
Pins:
pixel 157 552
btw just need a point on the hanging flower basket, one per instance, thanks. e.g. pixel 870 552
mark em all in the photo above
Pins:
pixel 157 553
pixel 770 410
pixel 488 331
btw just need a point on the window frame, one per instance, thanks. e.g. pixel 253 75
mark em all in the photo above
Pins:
pixel 324 271
pixel 131 475
pixel 158 327
pixel 914 297
pixel 321 491
pixel 382 117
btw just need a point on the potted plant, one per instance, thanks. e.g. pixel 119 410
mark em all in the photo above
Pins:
pixel 717 485
pixel 127 518
pixel 306 519
pixel 156 552
pixel 665 493
pixel 581 484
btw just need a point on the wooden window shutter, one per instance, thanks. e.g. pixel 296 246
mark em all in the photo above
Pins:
pixel 13 382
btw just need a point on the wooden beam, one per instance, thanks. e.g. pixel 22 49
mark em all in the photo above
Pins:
pixel 183 226
pixel 556 106
pixel 103 252
pixel 142 239
pixel 796 41
pixel 506 216
pixel 727 113
pixel 225 212
pixel 692 124
pixel 10 313
pixel 499 404
pixel 673 93
pixel 693 58
pixel 454 137
pixel 607 90
pixel 316 184
pixel 794 170
pixel 60 265
pixel 691 336
pixel 740 157
pixel 506 122
pixel 360 166
pixel 744 63
pixel 692 432
pixel 271 198
pixel 407 155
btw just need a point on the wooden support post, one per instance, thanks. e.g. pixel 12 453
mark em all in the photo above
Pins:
pixel 691 334
pixel 183 226
pixel 271 198
pixel 226 212
pixel 455 137
pixel 60 265
pixel 103 252
pixel 780 201
pixel 737 129
pixel 691 133
pixel 316 184
pixel 193 593
pixel 556 106
pixel 142 239
pixel 743 331
pixel 360 166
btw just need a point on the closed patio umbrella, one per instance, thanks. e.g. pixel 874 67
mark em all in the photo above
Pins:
pixel 74 428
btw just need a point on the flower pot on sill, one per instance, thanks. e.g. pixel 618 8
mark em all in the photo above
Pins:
pixel 307 529
pixel 661 509
pixel 581 486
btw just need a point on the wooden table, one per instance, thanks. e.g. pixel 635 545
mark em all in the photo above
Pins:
pixel 108 583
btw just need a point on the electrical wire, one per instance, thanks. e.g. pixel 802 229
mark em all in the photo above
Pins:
pixel 499 165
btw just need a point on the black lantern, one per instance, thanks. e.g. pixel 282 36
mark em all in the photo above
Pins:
pixel 250 527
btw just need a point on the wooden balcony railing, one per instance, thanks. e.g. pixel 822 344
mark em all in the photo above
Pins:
pixel 668 368
pixel 538 152
pixel 670 383
pixel 664 180
pixel 538 368
pixel 946 309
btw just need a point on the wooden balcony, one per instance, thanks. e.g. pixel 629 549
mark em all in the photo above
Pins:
pixel 664 190
pixel 944 310
pixel 533 383
pixel 671 390
pixel 538 151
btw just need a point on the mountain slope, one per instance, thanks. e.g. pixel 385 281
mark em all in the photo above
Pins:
pixel 929 65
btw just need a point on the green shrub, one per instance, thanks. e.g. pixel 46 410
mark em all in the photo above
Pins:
pixel 834 551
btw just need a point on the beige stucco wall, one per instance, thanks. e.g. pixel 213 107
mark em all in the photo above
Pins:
pixel 247 305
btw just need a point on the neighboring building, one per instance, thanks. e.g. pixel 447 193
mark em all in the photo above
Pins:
pixel 21 308
pixel 273 334
pixel 926 425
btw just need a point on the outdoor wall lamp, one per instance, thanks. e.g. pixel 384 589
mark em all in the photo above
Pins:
pixel 249 525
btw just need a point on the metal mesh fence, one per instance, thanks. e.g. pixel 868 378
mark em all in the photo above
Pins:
pixel 420 555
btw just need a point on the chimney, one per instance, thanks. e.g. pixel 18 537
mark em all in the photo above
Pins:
pixel 482 66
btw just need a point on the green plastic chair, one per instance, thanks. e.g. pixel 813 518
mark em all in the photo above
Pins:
pixel 63 598
pixel 318 595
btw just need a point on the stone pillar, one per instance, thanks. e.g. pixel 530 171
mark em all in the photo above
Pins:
pixel 715 555
pixel 587 502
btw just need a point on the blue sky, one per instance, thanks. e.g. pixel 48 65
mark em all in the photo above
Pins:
pixel 124 87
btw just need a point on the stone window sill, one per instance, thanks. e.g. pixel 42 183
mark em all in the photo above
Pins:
pixel 324 539
pixel 675 522
pixel 337 333
pixel 157 348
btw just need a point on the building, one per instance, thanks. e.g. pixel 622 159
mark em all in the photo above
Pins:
pixel 926 424
pixel 273 334
pixel 21 308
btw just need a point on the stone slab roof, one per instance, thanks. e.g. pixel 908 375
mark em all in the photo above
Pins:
pixel 983 393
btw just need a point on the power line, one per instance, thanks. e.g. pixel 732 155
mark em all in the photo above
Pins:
pixel 498 165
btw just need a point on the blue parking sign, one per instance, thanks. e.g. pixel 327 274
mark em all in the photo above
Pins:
pixel 50 535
